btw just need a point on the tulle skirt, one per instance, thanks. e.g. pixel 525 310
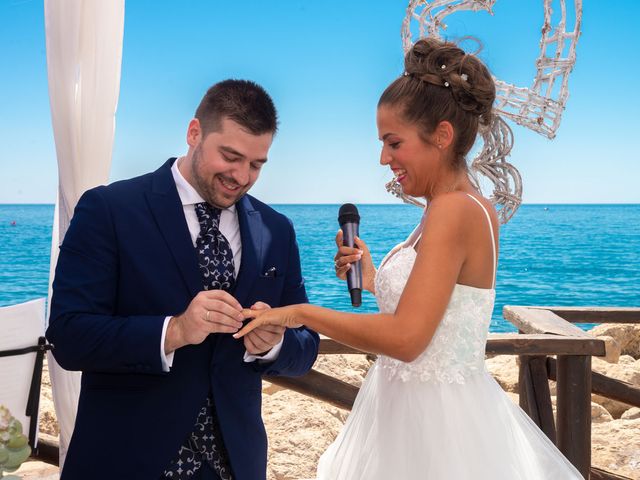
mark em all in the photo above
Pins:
pixel 439 431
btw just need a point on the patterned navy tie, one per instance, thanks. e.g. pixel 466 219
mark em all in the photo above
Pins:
pixel 204 444
pixel 214 252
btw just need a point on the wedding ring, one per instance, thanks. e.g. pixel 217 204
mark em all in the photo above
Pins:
pixel 335 264
pixel 207 316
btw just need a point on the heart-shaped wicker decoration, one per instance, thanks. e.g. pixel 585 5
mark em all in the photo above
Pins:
pixel 538 107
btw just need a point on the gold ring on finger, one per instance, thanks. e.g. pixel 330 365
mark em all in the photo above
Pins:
pixel 207 316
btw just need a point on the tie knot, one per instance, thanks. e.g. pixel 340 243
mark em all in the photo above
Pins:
pixel 208 216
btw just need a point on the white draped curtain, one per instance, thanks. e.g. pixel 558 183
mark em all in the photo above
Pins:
pixel 84 53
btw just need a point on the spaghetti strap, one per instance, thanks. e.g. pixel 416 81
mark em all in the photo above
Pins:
pixel 410 242
pixel 416 235
pixel 493 240
pixel 417 239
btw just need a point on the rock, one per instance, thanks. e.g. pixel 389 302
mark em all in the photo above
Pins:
pixel 348 368
pixel 599 414
pixel 633 346
pixel 35 470
pixel 615 447
pixel 615 408
pixel 504 369
pixel 553 388
pixel 627 360
pixel 627 370
pixel 631 414
pixel 299 429
pixel 48 420
pixel 627 335
pixel 613 349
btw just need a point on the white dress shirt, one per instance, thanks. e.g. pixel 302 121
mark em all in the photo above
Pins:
pixel 230 228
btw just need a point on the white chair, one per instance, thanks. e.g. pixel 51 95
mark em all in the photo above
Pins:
pixel 22 348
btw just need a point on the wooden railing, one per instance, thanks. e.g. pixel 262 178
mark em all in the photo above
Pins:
pixel 575 380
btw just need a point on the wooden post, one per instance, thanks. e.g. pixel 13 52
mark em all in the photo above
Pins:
pixel 535 398
pixel 524 384
pixel 524 381
pixel 574 410
pixel 542 396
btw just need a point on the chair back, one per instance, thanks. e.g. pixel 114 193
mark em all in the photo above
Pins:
pixel 21 355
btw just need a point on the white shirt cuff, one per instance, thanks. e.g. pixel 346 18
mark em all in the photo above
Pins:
pixel 270 356
pixel 167 359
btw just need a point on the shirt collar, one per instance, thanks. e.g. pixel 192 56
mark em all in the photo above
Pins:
pixel 188 195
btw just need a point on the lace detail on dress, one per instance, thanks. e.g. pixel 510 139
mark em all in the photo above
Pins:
pixel 457 348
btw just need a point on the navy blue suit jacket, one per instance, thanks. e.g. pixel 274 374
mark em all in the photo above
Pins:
pixel 126 262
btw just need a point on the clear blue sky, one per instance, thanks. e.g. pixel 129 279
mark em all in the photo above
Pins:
pixel 325 64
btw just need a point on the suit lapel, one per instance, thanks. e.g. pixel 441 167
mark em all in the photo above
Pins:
pixel 167 210
pixel 251 231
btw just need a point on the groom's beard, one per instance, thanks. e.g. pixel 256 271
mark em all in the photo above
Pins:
pixel 207 186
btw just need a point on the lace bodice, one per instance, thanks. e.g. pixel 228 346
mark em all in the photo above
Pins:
pixel 458 346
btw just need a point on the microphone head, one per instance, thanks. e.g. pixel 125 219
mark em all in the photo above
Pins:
pixel 348 213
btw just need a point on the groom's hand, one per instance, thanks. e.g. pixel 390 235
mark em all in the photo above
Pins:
pixel 211 311
pixel 263 338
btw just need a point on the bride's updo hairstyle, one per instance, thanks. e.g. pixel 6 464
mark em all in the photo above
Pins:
pixel 442 82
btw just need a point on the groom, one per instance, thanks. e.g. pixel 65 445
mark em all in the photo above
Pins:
pixel 152 276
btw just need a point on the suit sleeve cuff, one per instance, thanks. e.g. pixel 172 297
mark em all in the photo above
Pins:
pixel 167 359
pixel 270 356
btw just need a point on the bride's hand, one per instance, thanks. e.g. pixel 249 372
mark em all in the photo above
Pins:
pixel 345 256
pixel 282 316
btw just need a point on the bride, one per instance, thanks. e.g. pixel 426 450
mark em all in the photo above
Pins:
pixel 428 408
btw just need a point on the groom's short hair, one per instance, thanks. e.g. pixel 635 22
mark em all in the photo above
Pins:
pixel 243 101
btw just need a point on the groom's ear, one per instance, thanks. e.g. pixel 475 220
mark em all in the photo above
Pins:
pixel 194 133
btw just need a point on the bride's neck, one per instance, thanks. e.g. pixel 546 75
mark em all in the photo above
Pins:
pixel 451 182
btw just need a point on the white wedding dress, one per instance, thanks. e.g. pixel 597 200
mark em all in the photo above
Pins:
pixel 442 416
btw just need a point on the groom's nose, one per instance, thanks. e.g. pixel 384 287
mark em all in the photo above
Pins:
pixel 241 173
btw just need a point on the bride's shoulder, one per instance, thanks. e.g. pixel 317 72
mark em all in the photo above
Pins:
pixel 459 210
pixel 460 203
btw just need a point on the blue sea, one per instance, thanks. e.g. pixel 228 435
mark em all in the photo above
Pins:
pixel 562 255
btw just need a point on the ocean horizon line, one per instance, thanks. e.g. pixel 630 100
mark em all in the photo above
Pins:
pixel 550 204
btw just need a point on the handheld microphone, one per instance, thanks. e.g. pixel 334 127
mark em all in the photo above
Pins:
pixel 349 221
